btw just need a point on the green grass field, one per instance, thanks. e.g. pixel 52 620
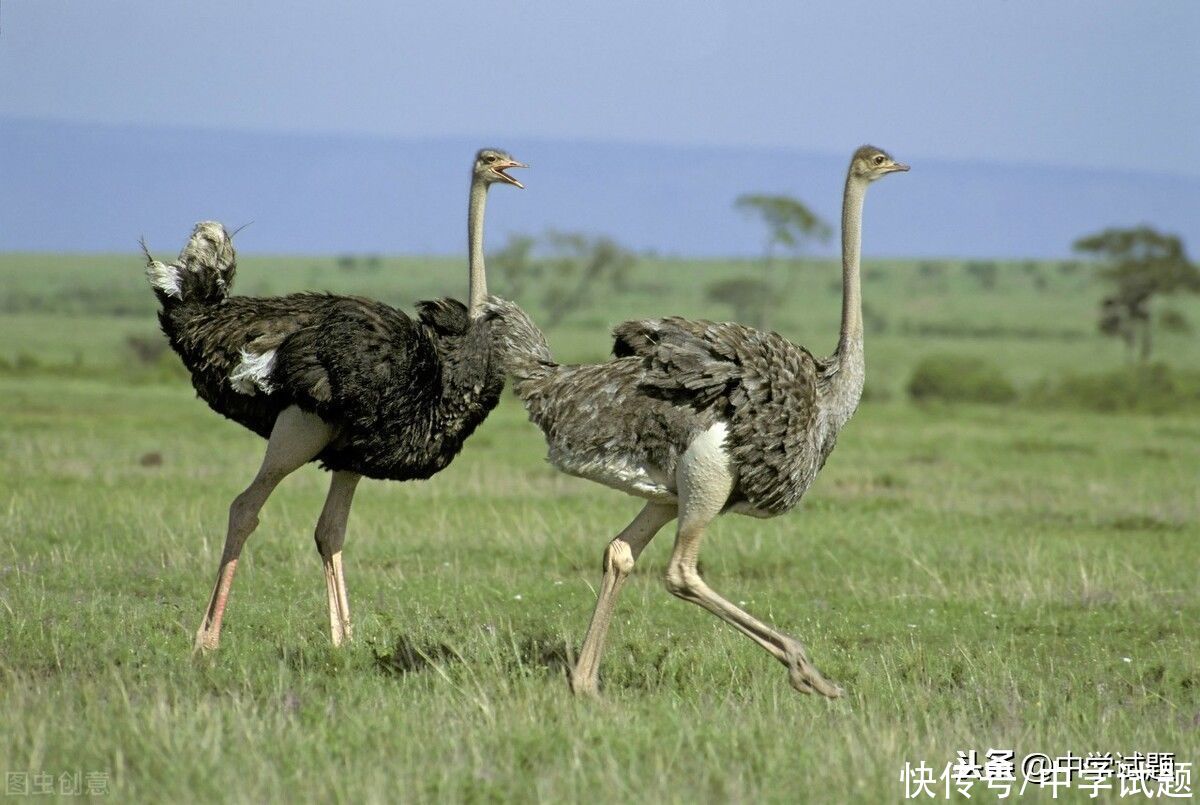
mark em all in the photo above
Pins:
pixel 975 576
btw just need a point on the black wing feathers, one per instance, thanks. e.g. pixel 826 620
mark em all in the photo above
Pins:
pixel 447 317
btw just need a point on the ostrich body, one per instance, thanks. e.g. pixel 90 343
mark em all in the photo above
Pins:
pixel 700 418
pixel 350 382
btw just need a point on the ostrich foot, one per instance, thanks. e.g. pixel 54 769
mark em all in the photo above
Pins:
pixel 805 677
pixel 206 642
pixel 584 687
pixel 208 636
pixel 340 635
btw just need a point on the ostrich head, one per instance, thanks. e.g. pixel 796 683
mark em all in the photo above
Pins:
pixel 491 164
pixel 205 267
pixel 870 163
pixel 209 246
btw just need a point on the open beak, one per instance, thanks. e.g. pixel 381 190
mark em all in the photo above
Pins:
pixel 898 166
pixel 502 167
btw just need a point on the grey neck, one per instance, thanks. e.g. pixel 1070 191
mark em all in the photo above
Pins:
pixel 477 291
pixel 846 384
pixel 851 340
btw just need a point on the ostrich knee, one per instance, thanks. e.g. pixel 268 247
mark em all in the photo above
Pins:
pixel 328 536
pixel 682 581
pixel 243 519
pixel 618 559
pixel 243 512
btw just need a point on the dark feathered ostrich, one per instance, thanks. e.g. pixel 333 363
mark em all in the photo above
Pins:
pixel 350 382
pixel 700 418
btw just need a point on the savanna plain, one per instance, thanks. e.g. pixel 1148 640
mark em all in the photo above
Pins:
pixel 1016 575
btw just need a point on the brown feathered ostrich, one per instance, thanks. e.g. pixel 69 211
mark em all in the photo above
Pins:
pixel 700 418
pixel 350 382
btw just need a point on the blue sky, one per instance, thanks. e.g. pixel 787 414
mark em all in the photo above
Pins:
pixel 1114 85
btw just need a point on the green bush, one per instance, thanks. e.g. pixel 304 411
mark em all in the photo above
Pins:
pixel 958 378
pixel 1148 388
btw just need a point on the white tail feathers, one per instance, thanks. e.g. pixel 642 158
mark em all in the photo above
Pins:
pixel 253 374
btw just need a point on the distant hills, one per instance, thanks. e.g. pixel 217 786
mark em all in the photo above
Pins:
pixel 67 187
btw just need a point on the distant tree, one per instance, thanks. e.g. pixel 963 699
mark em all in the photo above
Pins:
pixel 515 264
pixel 984 272
pixel 373 262
pixel 748 297
pixel 347 262
pixel 575 264
pixel 620 268
pixel 790 226
pixel 565 267
pixel 1141 263
pixel 1120 320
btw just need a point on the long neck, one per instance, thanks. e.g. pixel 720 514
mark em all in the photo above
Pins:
pixel 477 292
pixel 850 343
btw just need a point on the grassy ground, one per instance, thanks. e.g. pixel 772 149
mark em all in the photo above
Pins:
pixel 976 577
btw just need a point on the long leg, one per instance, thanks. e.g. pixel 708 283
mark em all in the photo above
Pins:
pixel 704 481
pixel 296 439
pixel 619 558
pixel 331 534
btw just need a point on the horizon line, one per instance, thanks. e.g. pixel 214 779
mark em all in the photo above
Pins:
pixel 586 140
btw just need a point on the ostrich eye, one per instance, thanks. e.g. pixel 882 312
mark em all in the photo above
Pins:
pixel 489 158
pixel 879 159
